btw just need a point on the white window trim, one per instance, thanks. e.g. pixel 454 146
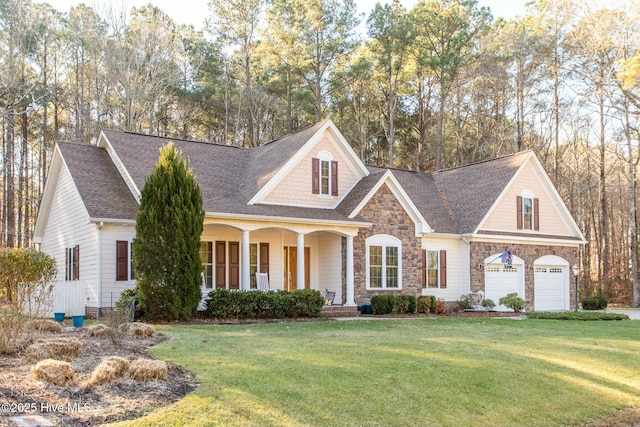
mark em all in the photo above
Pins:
pixel 385 241
pixel 213 265
pixel 528 194
pixel 324 156
pixel 437 251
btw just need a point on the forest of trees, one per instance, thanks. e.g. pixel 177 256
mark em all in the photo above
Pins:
pixel 439 85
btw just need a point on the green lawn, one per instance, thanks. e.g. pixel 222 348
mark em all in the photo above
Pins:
pixel 431 372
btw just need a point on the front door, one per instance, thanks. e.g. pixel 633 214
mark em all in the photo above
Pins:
pixel 290 258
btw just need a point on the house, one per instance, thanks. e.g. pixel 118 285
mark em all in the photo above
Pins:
pixel 305 210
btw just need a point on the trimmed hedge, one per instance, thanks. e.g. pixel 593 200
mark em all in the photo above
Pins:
pixel 426 304
pixel 594 303
pixel 572 315
pixel 226 304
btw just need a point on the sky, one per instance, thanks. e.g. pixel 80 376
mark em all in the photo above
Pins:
pixel 195 11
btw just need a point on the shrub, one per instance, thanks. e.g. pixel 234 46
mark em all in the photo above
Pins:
pixel 26 277
pixel 44 325
pixel 440 307
pixel 594 303
pixel 382 304
pixel 140 330
pixel 225 304
pixel 405 304
pixel 488 304
pixel 424 303
pixel 463 303
pixel 576 315
pixel 127 306
pixel 513 301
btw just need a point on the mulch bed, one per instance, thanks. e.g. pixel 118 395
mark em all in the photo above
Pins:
pixel 79 405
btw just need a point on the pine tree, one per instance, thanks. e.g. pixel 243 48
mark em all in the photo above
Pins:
pixel 166 247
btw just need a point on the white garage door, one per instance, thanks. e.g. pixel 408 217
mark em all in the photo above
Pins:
pixel 550 288
pixel 500 281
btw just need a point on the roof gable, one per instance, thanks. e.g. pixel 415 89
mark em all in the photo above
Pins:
pixel 292 150
pixel 555 218
pixel 369 189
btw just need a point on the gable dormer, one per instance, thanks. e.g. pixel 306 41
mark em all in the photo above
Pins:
pixel 318 175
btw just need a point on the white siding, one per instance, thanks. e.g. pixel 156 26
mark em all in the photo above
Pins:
pixel 329 262
pixel 111 288
pixel 458 277
pixel 67 226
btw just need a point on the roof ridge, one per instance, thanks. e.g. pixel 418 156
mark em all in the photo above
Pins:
pixel 302 129
pixel 170 138
pixel 479 162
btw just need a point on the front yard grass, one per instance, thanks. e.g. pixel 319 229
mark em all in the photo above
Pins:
pixel 431 372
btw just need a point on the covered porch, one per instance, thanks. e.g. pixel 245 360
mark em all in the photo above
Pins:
pixel 294 256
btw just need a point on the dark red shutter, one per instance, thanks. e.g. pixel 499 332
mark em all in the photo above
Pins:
pixel 234 265
pixel 443 269
pixel 536 214
pixel 122 260
pixel 424 268
pixel 334 178
pixel 315 176
pixel 519 212
pixel 221 282
pixel 264 258
pixel 76 257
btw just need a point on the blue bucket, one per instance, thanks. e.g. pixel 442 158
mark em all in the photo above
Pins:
pixel 59 317
pixel 77 321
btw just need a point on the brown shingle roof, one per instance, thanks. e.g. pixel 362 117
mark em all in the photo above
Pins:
pixel 452 201
pixel 103 191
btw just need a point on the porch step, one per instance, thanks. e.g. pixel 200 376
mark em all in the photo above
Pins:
pixel 340 311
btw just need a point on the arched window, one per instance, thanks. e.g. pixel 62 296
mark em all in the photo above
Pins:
pixel 384 262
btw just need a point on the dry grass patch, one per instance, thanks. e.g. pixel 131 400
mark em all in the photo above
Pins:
pixel 141 330
pixel 148 370
pixel 54 348
pixel 44 325
pixel 109 370
pixel 53 372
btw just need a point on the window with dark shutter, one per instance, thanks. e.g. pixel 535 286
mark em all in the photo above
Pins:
pixel 424 268
pixel 519 212
pixel 334 178
pixel 536 214
pixel 315 176
pixel 264 258
pixel 443 269
pixel 122 260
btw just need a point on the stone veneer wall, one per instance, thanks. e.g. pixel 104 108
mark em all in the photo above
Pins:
pixel 529 253
pixel 388 217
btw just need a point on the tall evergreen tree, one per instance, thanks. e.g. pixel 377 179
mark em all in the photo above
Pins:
pixel 166 247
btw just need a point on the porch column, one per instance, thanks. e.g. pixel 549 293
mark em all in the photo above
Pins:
pixel 300 261
pixel 350 286
pixel 245 278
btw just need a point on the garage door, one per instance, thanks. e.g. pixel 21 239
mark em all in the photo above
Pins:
pixel 500 281
pixel 550 288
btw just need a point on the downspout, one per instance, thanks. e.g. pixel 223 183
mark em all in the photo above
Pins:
pixel 99 271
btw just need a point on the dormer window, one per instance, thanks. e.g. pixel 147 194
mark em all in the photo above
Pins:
pixel 528 215
pixel 324 175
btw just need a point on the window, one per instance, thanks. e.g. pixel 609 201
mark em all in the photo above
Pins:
pixel 253 265
pixel 324 175
pixel 435 269
pixel 384 265
pixel 72 263
pixel 124 263
pixel 206 256
pixel 528 212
